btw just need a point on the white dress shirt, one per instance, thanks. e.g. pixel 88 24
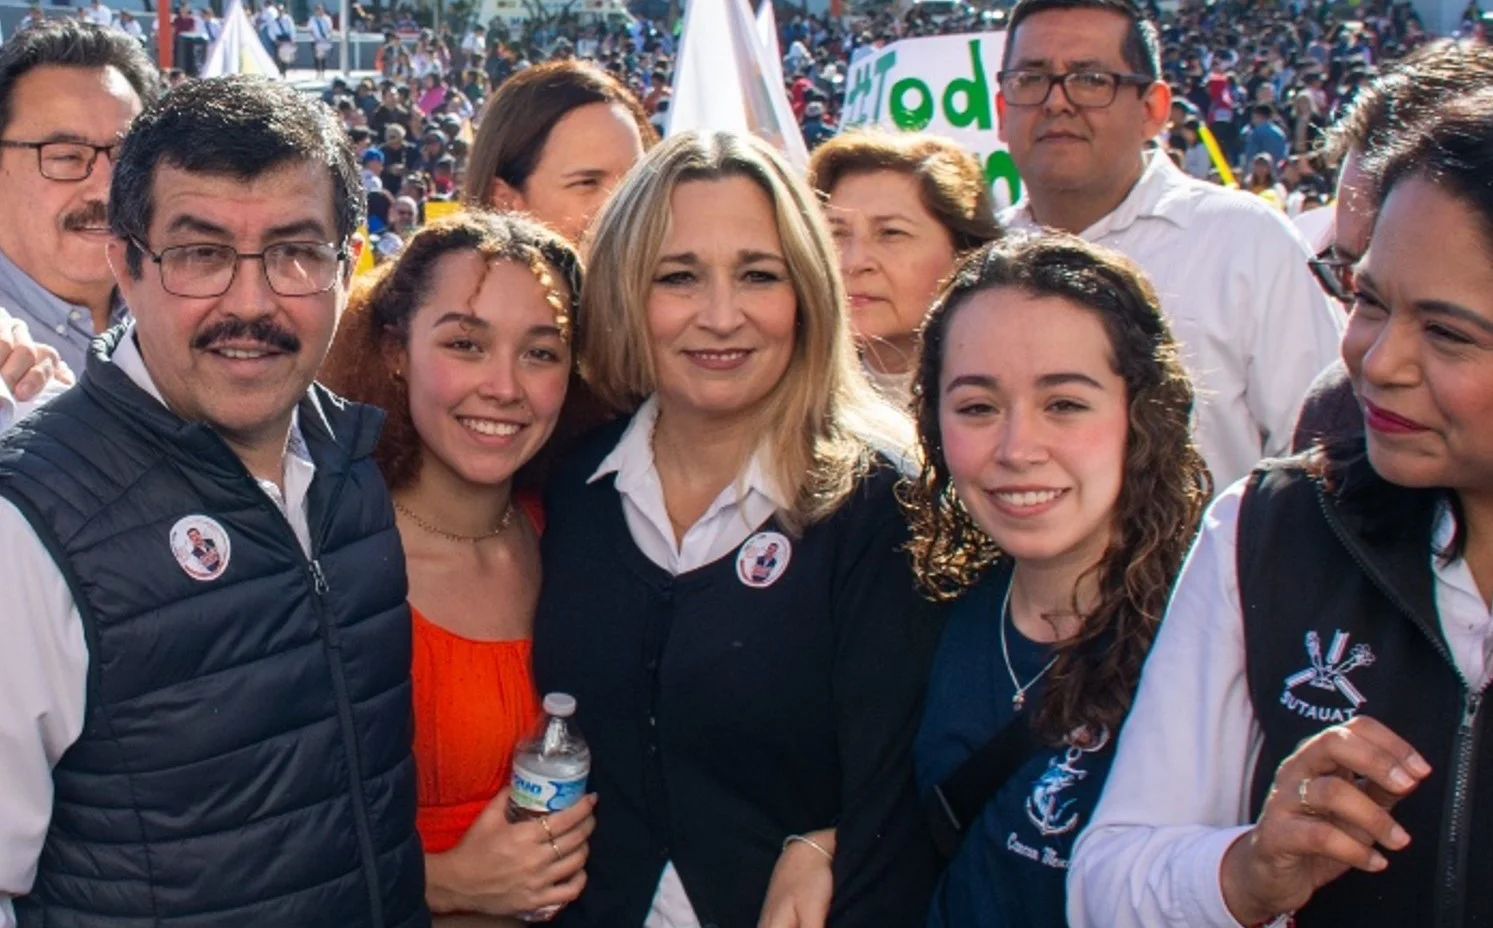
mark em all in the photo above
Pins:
pixel 44 664
pixel 1179 792
pixel 736 513
pixel 13 410
pixel 1254 325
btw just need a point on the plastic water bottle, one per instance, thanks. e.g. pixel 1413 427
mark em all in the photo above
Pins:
pixel 550 769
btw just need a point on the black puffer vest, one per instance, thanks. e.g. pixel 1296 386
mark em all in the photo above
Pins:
pixel 246 751
pixel 1340 619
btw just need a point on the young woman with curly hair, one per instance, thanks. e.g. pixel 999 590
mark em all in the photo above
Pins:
pixel 465 341
pixel 1059 492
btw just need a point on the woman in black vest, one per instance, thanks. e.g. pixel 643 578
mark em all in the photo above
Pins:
pixel 1059 493
pixel 724 590
pixel 1309 743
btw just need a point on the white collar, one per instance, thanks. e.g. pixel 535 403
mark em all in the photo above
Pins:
pixel 632 461
pixel 127 357
pixel 1162 192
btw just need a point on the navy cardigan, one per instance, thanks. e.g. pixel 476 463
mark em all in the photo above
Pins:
pixel 724 716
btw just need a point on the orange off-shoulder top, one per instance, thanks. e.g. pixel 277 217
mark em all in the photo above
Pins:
pixel 473 701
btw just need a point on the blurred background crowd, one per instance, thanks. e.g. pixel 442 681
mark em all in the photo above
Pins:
pixel 1265 78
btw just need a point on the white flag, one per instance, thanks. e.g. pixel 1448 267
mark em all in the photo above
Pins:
pixel 238 49
pixel 725 79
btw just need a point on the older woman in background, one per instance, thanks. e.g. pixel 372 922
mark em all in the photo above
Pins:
pixel 902 208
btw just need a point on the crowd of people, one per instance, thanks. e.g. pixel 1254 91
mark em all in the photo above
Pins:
pixel 1263 81
pixel 1113 558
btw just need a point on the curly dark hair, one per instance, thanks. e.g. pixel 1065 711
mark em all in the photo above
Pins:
pixel 384 302
pixel 1165 484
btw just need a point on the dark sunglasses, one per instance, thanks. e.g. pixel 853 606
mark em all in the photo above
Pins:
pixel 1334 273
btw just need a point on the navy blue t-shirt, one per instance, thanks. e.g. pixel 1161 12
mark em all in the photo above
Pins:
pixel 1011 867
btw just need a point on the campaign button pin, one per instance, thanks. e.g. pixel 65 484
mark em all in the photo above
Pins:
pixel 763 558
pixel 200 545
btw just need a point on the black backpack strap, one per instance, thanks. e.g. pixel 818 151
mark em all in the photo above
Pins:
pixel 963 795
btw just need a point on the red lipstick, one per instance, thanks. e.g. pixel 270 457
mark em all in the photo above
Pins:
pixel 1382 420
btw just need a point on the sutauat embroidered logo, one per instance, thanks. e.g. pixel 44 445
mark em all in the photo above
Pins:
pixel 1328 673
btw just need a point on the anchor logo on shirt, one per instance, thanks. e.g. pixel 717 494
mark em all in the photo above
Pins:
pixel 1045 808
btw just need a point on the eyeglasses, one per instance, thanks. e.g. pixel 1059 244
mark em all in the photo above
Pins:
pixel 1334 273
pixel 68 162
pixel 1087 89
pixel 201 271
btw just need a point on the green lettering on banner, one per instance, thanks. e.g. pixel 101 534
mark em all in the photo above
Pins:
pixel 883 64
pixel 976 94
pixel 1000 166
pixel 860 87
pixel 917 117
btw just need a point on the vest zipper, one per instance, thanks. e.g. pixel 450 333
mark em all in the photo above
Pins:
pixel 1453 849
pixel 349 742
pixel 333 636
pixel 1453 896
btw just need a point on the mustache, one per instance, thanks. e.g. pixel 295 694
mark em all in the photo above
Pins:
pixel 94 215
pixel 262 331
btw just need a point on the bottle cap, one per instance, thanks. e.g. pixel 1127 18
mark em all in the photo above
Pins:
pixel 560 705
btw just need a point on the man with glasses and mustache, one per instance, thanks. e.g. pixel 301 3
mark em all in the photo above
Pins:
pixel 226 746
pixel 1080 102
pixel 1383 111
pixel 68 92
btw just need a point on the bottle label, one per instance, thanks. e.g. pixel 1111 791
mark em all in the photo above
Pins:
pixel 538 793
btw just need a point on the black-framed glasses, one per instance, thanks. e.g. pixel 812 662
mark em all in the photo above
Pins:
pixel 1334 273
pixel 1090 89
pixel 68 162
pixel 204 270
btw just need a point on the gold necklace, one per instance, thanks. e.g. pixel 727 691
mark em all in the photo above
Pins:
pixel 452 536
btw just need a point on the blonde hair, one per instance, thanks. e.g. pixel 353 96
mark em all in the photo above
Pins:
pixel 822 423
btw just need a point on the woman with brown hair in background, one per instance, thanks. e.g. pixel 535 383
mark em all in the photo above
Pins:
pixel 553 142
pixel 902 208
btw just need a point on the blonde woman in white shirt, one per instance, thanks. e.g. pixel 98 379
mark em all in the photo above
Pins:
pixel 724 587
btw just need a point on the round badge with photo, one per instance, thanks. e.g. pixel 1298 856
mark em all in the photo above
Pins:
pixel 763 558
pixel 200 545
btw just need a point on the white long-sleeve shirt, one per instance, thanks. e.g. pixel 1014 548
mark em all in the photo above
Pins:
pixel 1254 325
pixel 13 410
pixel 736 513
pixel 44 663
pixel 1178 794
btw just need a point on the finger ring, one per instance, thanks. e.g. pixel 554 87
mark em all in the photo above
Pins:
pixel 555 848
pixel 545 821
pixel 1301 788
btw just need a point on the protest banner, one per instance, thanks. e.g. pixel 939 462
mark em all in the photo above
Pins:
pixel 941 84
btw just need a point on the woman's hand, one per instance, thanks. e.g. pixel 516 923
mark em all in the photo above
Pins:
pixel 798 895
pixel 504 868
pixel 1328 808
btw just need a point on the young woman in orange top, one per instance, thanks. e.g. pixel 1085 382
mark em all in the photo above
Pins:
pixel 466 342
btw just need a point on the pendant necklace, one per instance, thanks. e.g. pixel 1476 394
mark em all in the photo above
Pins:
pixel 1018 700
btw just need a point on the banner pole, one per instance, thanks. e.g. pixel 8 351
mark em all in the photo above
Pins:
pixel 344 13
